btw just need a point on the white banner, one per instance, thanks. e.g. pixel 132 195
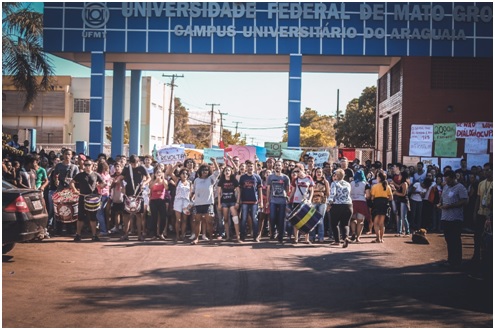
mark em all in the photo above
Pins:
pixel 171 155
pixel 420 148
pixel 477 160
pixel 294 155
pixel 455 163
pixel 319 156
pixel 422 133
pixel 475 146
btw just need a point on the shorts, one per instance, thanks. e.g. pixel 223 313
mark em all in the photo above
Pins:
pixel 180 204
pixel 228 205
pixel 204 209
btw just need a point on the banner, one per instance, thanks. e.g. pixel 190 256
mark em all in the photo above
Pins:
pixel 319 156
pixel 420 148
pixel 484 130
pixel 455 163
pixel 477 160
pixel 475 146
pixel 274 149
pixel 430 161
pixel 446 148
pixel 261 153
pixel 171 155
pixel 480 130
pixel 243 152
pixel 423 133
pixel 444 131
pixel 196 154
pixel 294 155
pixel 218 154
pixel 410 161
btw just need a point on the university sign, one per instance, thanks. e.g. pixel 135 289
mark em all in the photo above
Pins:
pixel 322 28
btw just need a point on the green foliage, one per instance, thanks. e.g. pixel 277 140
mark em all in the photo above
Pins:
pixel 127 132
pixel 316 130
pixel 356 129
pixel 23 57
pixel 230 139
pixel 199 135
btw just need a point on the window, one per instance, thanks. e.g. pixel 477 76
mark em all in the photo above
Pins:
pixel 382 88
pixel 81 105
pixel 395 79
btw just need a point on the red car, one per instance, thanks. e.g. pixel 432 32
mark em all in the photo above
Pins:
pixel 24 215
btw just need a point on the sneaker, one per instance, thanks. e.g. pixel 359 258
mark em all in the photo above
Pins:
pixel 114 230
pixel 192 237
pixel 124 238
pixel 77 238
pixel 96 239
pixel 204 238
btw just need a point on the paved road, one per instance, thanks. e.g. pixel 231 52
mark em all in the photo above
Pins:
pixel 59 283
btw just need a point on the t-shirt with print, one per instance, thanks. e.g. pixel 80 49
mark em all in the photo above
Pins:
pixel 320 192
pixel 278 188
pixel 228 190
pixel 340 192
pixel 301 187
pixel 203 189
pixel 249 188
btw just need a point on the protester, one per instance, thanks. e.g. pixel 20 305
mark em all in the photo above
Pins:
pixel 340 204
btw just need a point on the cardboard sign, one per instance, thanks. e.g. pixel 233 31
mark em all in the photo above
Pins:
pixel 475 146
pixel 455 163
pixel 171 155
pixel 196 154
pixel 420 148
pixel 446 148
pixel 444 131
pixel 218 154
pixel 422 133
pixel 274 149
pixel 430 161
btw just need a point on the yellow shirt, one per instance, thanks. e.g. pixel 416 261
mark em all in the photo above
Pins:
pixel 485 194
pixel 377 191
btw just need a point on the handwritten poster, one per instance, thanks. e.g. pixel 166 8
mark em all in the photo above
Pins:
pixel 319 156
pixel 446 148
pixel 477 160
pixel 423 133
pixel 420 148
pixel 455 163
pixel 294 155
pixel 243 152
pixel 430 161
pixel 410 161
pixel 171 155
pixel 480 130
pixel 274 149
pixel 484 130
pixel 444 131
pixel 475 146
pixel 214 153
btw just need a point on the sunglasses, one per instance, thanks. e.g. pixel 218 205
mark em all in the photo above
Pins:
pixel 295 171
pixel 88 164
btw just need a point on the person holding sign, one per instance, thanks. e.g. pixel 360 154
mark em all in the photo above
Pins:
pixel 203 198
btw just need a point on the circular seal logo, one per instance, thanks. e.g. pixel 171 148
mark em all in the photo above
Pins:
pixel 95 14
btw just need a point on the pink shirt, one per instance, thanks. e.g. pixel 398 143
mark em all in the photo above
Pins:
pixel 158 191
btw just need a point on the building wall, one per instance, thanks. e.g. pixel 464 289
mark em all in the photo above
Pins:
pixel 429 86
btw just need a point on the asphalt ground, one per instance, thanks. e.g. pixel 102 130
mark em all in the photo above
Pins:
pixel 58 283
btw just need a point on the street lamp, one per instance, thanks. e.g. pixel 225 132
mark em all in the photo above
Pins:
pixel 70 137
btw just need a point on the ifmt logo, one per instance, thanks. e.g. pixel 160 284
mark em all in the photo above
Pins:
pixel 95 15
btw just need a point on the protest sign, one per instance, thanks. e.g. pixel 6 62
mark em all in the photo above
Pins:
pixel 410 161
pixel 484 130
pixel 480 130
pixel 196 154
pixel 477 160
pixel 243 152
pixel 274 149
pixel 444 131
pixel 218 154
pixel 171 155
pixel 420 148
pixel 455 163
pixel 319 156
pixel 261 153
pixel 446 148
pixel 294 155
pixel 430 161
pixel 422 133
pixel 475 146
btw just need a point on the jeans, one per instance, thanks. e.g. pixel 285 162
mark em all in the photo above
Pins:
pixel 452 232
pixel 100 215
pixel 277 218
pixel 416 214
pixel 402 219
pixel 253 208
pixel 51 213
pixel 320 226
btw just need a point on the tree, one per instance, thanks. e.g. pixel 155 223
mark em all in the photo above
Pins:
pixel 22 50
pixel 182 133
pixel 316 130
pixel 127 132
pixel 230 139
pixel 357 127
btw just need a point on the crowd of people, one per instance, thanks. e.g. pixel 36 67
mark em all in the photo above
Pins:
pixel 237 201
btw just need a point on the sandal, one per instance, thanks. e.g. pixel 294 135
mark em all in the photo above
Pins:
pixel 375 241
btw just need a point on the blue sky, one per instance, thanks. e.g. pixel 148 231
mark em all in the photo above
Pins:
pixel 259 101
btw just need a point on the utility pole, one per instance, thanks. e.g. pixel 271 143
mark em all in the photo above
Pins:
pixel 338 111
pixel 221 124
pixel 252 140
pixel 236 125
pixel 172 85
pixel 211 127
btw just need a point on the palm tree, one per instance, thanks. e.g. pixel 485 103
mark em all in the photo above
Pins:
pixel 23 57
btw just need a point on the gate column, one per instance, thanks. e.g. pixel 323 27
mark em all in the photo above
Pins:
pixel 294 117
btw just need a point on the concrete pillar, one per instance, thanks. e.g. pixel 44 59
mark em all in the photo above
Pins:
pixel 97 104
pixel 118 106
pixel 135 138
pixel 294 117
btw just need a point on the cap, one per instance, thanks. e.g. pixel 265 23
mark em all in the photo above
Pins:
pixel 82 156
